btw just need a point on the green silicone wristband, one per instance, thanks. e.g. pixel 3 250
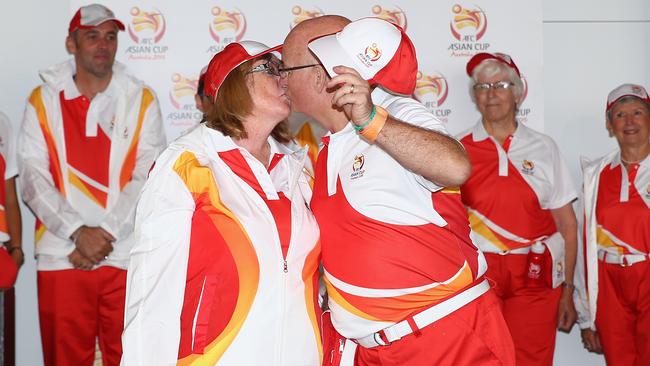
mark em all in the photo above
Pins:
pixel 360 127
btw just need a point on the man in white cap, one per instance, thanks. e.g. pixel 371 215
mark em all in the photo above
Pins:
pixel 89 136
pixel 404 280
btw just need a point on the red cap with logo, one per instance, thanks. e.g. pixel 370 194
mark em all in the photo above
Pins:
pixel 228 59
pixel 92 15
pixel 378 49
pixel 626 90
pixel 501 57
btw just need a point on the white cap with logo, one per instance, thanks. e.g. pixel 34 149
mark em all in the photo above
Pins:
pixel 626 90
pixel 378 49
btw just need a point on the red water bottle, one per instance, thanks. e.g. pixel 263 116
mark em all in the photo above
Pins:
pixel 535 275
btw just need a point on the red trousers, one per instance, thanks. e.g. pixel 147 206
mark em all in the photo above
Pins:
pixel 78 307
pixel 475 334
pixel 530 312
pixel 623 313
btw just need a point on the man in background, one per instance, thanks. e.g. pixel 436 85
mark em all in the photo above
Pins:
pixel 89 137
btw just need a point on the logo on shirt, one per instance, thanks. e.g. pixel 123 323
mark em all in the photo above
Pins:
pixel 301 14
pixel 468 26
pixel 527 167
pixel 226 27
pixel 146 29
pixel 395 16
pixel 647 192
pixel 357 167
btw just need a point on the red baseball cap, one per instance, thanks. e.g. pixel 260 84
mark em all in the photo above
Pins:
pixel 228 59
pixel 378 49
pixel 626 90
pixel 92 15
pixel 501 57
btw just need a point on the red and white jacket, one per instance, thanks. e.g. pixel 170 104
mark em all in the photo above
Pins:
pixel 61 197
pixel 8 169
pixel 394 243
pixel 512 190
pixel 620 227
pixel 208 282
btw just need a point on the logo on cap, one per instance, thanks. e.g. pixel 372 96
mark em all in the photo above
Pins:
pixel 372 52
pixel 466 18
pixel 143 22
pixel 227 26
pixel 396 16
pixel 301 14
pixel 181 97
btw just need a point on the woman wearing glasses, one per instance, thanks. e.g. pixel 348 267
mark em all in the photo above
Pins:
pixel 519 203
pixel 614 306
pixel 225 269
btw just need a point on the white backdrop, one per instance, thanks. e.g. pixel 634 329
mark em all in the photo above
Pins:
pixel 167 43
pixel 589 48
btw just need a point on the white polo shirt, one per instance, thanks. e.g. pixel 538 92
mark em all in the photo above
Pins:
pixel 513 187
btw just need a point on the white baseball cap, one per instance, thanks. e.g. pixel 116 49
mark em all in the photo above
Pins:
pixel 378 49
pixel 92 15
pixel 626 90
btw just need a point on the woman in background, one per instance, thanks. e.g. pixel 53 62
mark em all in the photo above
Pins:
pixel 613 273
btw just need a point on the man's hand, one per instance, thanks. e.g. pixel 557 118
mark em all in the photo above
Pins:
pixel 352 94
pixel 590 341
pixel 94 243
pixel 566 315
pixel 79 261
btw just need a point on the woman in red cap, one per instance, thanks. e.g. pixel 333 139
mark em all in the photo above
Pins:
pixel 519 202
pixel 613 272
pixel 225 268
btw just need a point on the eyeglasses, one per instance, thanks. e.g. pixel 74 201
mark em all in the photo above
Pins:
pixel 286 71
pixel 499 85
pixel 269 67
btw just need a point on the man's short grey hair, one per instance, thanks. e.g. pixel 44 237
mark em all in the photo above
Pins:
pixel 493 67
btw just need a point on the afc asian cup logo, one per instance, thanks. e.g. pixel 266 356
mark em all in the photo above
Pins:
pixel 373 53
pixel 227 26
pixel 523 112
pixel 431 90
pixel 468 24
pixel 150 23
pixel 647 192
pixel 182 87
pixel 301 14
pixel 527 167
pixel 395 16
pixel 359 160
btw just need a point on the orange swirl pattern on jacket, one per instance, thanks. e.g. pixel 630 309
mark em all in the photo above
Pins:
pixel 130 160
pixel 200 182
